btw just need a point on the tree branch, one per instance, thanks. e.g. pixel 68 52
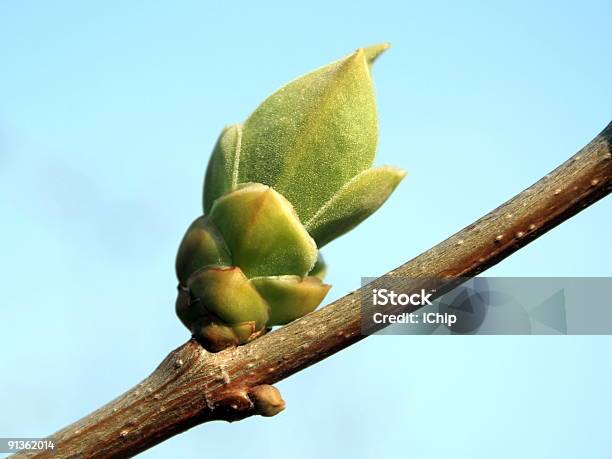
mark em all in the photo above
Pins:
pixel 192 386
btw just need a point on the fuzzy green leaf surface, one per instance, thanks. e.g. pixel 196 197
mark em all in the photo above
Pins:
pixel 263 232
pixel 313 135
pixel 290 297
pixel 353 203
pixel 222 167
pixel 229 295
pixel 202 245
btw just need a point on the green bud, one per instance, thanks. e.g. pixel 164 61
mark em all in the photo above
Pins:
pixel 263 232
pixel 290 297
pixel 353 203
pixel 187 310
pixel 296 175
pixel 226 293
pixel 221 173
pixel 215 335
pixel 202 245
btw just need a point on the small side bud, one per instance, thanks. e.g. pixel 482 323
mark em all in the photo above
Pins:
pixel 214 336
pixel 267 400
pixel 202 245
pixel 290 297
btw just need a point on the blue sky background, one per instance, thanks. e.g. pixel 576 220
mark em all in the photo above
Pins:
pixel 108 112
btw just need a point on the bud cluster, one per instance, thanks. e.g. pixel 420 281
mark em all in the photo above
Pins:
pixel 296 175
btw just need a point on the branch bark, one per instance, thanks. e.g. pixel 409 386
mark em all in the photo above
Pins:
pixel 192 386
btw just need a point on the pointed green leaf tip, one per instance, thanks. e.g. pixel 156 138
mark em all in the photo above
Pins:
pixel 373 52
pixel 313 141
pixel 313 135
pixel 353 203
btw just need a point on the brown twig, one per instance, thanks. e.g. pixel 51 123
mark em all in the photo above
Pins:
pixel 192 386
